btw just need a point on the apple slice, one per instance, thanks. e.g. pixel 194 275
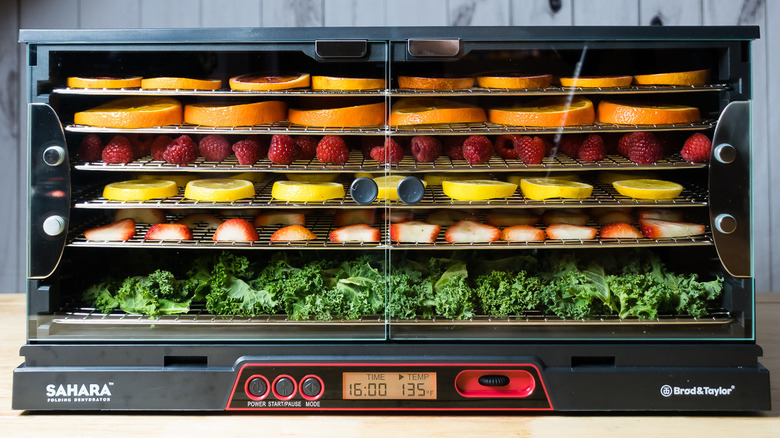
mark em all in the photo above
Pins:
pixel 569 231
pixel 120 230
pixel 414 232
pixel 355 233
pixel 471 232
pixel 657 228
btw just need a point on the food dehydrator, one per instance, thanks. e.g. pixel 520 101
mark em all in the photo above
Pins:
pixel 643 323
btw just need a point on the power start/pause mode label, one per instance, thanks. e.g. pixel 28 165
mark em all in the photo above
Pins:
pixel 705 391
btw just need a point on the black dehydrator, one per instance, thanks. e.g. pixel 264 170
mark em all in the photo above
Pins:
pixel 442 302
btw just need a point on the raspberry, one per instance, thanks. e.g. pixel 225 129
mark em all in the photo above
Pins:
pixel 247 151
pixel 91 148
pixel 570 145
pixel 592 149
pixel 453 146
pixel 181 151
pixel 644 148
pixel 426 149
pixel 697 148
pixel 159 145
pixel 332 150
pixel 283 149
pixel 477 149
pixel 142 144
pixel 368 143
pixel 507 146
pixel 624 144
pixel 531 150
pixel 118 150
pixel 391 152
pixel 214 147
pixel 669 142
pixel 307 145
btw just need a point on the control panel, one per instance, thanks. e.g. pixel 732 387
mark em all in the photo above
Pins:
pixel 389 386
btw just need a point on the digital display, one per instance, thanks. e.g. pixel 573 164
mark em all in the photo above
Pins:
pixel 389 386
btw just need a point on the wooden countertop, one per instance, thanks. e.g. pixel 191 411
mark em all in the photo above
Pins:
pixel 15 423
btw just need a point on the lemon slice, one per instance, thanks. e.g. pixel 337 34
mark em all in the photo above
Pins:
pixel 388 186
pixel 312 177
pixel 299 191
pixel 219 189
pixel 250 176
pixel 435 179
pixel 181 179
pixel 568 176
pixel 139 190
pixel 543 188
pixel 648 188
pixel 477 189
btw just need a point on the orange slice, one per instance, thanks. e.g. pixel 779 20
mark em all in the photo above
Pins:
pixel 232 114
pixel 167 83
pixel 358 115
pixel 514 82
pixel 105 82
pixel 430 110
pixel 554 111
pixel 636 113
pixel 266 82
pixel 132 112
pixel 441 83
pixel 597 81
pixel 346 84
pixel 695 77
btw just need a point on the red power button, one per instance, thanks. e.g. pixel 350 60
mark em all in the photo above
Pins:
pixel 495 383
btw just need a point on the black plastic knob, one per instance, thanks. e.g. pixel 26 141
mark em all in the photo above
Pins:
pixel 411 190
pixel 493 380
pixel 363 190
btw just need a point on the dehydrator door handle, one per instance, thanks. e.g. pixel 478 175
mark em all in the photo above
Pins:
pixel 434 48
pixel 48 192
pixel 730 191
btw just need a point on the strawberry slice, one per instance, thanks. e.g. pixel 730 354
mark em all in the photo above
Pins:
pixel 620 230
pixel 120 230
pixel 414 232
pixel 468 231
pixel 279 218
pixel 569 231
pixel 235 230
pixel 614 216
pixel 449 217
pixel 657 228
pixel 141 215
pixel 511 218
pixel 171 231
pixel 398 216
pixel 666 214
pixel 192 220
pixel 292 233
pixel 573 217
pixel 522 233
pixel 355 233
pixel 354 216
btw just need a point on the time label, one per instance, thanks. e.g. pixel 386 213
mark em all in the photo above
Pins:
pixel 389 386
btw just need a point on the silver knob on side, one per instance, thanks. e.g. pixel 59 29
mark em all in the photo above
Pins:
pixel 725 153
pixel 725 223
pixel 54 155
pixel 54 225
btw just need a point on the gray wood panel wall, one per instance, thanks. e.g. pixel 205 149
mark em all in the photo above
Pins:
pixel 15 14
